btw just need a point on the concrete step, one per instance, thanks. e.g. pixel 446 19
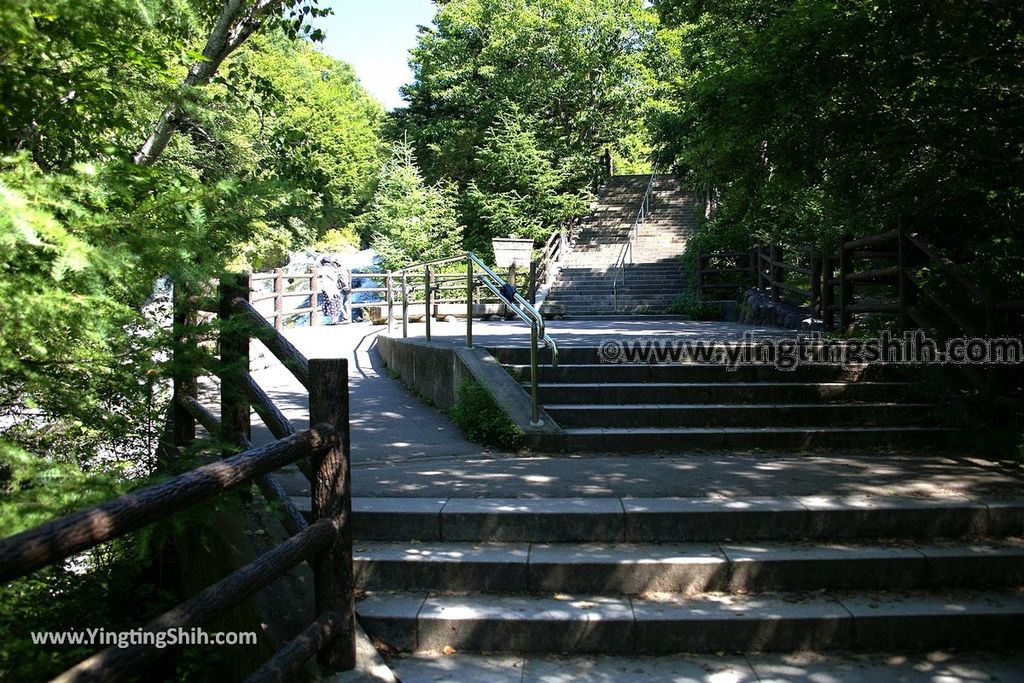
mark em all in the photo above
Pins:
pixel 617 371
pixel 874 667
pixel 593 301
pixel 679 520
pixel 708 623
pixel 877 414
pixel 604 281
pixel 805 436
pixel 595 393
pixel 599 275
pixel 683 568
pixel 606 287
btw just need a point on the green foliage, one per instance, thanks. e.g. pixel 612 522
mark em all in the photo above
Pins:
pixel 408 219
pixel 280 148
pixel 481 419
pixel 316 127
pixel 516 100
pixel 339 239
pixel 517 191
pixel 82 79
pixel 62 599
pixel 691 305
pixel 814 118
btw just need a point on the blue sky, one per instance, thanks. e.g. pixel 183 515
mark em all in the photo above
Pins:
pixel 374 36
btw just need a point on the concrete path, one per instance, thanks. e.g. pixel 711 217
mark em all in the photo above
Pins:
pixel 934 667
pixel 404 448
pixel 588 332
pixel 387 422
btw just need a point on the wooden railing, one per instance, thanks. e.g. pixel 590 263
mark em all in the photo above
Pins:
pixel 544 270
pixel 446 289
pixel 725 273
pixel 305 286
pixel 878 274
pixel 322 453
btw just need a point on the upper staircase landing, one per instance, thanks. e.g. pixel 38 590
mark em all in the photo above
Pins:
pixel 584 285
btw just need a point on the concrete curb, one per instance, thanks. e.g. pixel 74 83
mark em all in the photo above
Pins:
pixel 435 371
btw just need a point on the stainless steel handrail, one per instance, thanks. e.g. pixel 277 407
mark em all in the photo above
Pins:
pixel 521 307
pixel 634 233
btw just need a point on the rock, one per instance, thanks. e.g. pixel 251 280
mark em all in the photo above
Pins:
pixel 550 311
pixel 759 309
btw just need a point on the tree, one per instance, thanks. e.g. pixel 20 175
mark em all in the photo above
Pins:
pixel 813 118
pixel 518 189
pixel 408 219
pixel 86 232
pixel 571 71
pixel 234 24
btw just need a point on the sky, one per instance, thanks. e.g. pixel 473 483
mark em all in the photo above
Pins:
pixel 374 36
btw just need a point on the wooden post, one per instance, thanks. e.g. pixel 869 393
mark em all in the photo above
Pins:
pixel 183 378
pixel 332 498
pixel 405 306
pixel 428 295
pixel 775 273
pixel 816 271
pixel 903 283
pixel 827 292
pixel 845 285
pixel 533 281
pixel 234 361
pixel 389 283
pixel 314 289
pixel 278 299
pixel 700 274
pixel 761 281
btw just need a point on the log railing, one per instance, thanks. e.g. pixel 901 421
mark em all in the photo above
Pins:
pixel 544 270
pixel 876 274
pixel 725 274
pixel 305 287
pixel 321 452
pixel 447 289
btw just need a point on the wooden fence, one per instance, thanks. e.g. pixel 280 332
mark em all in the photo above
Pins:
pixel 322 453
pixel 877 274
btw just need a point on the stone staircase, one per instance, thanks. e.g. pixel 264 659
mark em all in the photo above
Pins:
pixel 681 406
pixel 656 278
pixel 670 575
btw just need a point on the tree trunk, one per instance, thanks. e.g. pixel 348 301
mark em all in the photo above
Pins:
pixel 238 20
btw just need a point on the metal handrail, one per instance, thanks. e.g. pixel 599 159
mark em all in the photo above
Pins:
pixel 519 305
pixel 634 233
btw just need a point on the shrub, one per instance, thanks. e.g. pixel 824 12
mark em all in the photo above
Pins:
pixel 481 419
pixel 692 306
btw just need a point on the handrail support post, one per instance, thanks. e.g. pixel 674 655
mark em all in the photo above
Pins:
pixel 391 301
pixel 534 395
pixel 469 303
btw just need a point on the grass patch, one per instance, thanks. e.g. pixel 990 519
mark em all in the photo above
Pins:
pixel 481 419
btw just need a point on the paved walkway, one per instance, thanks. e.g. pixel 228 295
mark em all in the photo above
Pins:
pixel 934 667
pixel 404 448
pixel 589 332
